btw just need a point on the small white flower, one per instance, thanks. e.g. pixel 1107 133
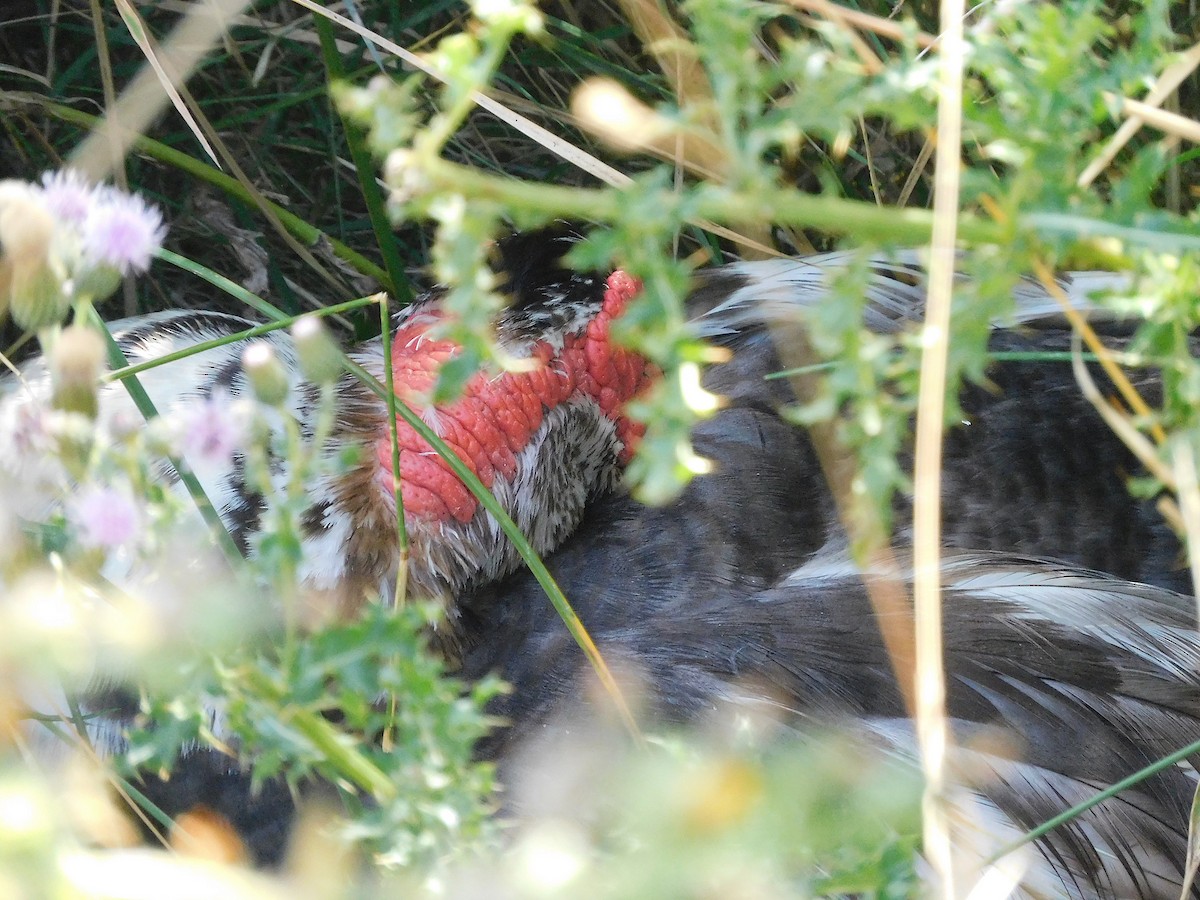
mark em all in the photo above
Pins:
pixel 212 430
pixel 122 232
pixel 32 433
pixel 67 196
pixel 105 516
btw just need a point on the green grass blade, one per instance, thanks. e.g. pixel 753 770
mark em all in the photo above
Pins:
pixel 364 167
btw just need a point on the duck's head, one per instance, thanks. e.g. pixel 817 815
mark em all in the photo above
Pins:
pixel 543 437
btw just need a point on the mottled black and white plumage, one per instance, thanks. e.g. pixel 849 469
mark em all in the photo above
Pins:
pixel 1061 682
pixel 739 593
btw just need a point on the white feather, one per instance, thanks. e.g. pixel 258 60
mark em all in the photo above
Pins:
pixel 779 289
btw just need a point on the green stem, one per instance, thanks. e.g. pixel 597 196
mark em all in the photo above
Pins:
pixel 834 215
pixel 364 167
pixel 226 285
pixel 1079 809
pixel 1014 356
pixel 323 735
pixel 401 589
pixel 489 502
pixel 431 140
pixel 285 571
pixel 257 331
pixel 831 214
pixel 148 806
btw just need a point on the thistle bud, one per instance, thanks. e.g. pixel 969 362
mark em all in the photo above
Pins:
pixel 32 281
pixel 38 294
pixel 266 374
pixel 318 354
pixel 96 282
pixel 76 362
pixel 607 109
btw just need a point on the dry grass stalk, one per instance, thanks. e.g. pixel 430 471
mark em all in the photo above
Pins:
pixel 675 54
pixel 1165 87
pixel 1120 422
pixel 140 103
pixel 1169 123
pixel 1080 324
pixel 867 22
pixel 883 575
pixel 933 728
pixel 166 78
pixel 1187 489
pixel 701 151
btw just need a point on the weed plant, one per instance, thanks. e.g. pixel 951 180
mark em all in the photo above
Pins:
pixel 303 162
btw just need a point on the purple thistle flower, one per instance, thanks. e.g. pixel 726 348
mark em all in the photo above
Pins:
pixel 122 231
pixel 31 434
pixel 67 196
pixel 212 430
pixel 105 516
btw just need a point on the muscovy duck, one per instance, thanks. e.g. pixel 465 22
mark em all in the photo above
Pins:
pixel 771 599
pixel 1035 471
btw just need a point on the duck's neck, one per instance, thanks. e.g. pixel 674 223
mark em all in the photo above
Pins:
pixel 543 440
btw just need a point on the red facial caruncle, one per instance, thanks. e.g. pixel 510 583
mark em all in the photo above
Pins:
pixel 496 417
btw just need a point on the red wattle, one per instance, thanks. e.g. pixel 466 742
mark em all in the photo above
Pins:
pixel 495 418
